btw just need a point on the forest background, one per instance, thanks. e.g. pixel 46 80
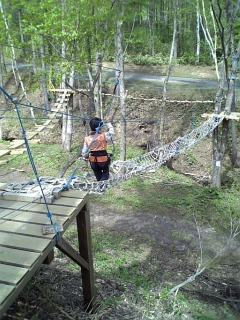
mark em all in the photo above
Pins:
pixel 70 44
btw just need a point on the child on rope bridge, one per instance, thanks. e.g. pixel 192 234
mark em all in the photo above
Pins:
pixel 95 148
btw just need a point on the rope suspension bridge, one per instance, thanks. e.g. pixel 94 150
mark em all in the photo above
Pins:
pixel 120 170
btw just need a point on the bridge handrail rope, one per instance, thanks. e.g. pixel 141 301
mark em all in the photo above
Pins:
pixel 49 214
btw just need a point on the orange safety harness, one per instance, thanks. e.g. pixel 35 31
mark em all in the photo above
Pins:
pixel 98 147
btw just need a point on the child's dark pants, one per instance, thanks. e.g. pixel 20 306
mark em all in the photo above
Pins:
pixel 101 170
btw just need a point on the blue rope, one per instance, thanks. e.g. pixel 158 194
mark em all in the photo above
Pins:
pixel 114 92
pixel 49 214
pixel 66 186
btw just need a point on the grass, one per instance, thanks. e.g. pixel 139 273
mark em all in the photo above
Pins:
pixel 139 281
pixel 165 191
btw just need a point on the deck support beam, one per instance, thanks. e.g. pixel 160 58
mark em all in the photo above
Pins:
pixel 85 250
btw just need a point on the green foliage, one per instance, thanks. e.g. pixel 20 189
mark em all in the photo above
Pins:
pixel 190 157
pixel 147 59
pixel 187 58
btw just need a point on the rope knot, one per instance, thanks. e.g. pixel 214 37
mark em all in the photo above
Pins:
pixel 49 214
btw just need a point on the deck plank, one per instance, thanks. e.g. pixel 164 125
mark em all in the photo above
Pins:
pixel 22 228
pixel 27 217
pixel 36 207
pixel 5 290
pixel 79 194
pixel 23 242
pixel 70 202
pixel 17 257
pixel 11 274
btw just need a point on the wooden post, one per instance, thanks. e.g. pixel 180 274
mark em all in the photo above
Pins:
pixel 49 257
pixel 85 250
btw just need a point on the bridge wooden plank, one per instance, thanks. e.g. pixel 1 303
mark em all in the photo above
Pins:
pixel 4 152
pixel 16 144
pixel 41 128
pixel 34 141
pixel 2 162
pixel 31 135
pixel 18 151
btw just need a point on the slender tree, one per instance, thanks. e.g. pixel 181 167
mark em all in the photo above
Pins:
pixel 120 67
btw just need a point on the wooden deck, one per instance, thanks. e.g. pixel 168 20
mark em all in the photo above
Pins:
pixel 23 247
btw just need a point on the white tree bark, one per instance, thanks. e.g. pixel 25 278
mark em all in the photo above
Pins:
pixel 120 66
pixel 164 98
pixel 14 60
pixel 197 33
pixel 44 80
pixel 211 40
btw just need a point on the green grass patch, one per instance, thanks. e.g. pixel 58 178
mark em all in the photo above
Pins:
pixel 165 192
pixel 139 280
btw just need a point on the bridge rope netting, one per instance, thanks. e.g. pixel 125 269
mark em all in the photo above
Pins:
pixel 123 170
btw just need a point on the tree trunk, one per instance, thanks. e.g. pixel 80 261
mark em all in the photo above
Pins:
pixel 211 40
pixel 98 88
pixel 14 60
pixel 218 154
pixel 80 105
pixel 235 61
pixel 216 162
pixel 34 53
pixel 197 34
pixel 66 145
pixel 43 79
pixel 120 66
pixel 1 80
pixel 164 98
pixel 219 147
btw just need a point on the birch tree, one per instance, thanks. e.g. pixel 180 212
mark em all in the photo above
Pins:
pixel 220 142
pixel 164 97
pixel 198 41
pixel 14 59
pixel 120 66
